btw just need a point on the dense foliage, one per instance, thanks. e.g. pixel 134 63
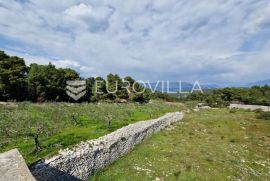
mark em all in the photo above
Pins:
pixel 263 115
pixel 12 77
pixel 222 97
pixel 40 83
pixel 45 82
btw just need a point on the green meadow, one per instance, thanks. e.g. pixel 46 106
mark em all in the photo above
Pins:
pixel 61 125
pixel 215 144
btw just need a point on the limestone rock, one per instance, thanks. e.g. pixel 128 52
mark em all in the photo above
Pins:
pixel 13 167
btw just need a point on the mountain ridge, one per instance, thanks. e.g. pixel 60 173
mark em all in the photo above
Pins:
pixel 187 86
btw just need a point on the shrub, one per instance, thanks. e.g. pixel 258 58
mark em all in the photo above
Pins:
pixel 263 115
pixel 258 110
pixel 233 110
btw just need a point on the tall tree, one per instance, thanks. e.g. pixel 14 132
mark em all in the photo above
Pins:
pixel 137 92
pixel 13 73
pixel 115 87
pixel 99 90
pixel 90 84
pixel 46 82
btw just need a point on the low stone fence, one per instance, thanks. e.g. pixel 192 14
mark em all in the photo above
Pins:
pixel 83 159
pixel 250 107
pixel 13 167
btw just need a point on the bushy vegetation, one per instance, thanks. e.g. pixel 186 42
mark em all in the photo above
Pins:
pixel 223 97
pixel 263 115
pixel 207 145
pixel 60 125
pixel 164 96
pixel 12 77
pixel 43 83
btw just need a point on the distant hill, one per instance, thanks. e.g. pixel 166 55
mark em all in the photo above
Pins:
pixel 186 86
pixel 176 86
pixel 259 83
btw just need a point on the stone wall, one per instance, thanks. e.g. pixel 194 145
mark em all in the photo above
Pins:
pixel 13 167
pixel 250 107
pixel 82 160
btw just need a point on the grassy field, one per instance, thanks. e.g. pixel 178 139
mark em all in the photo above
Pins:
pixel 61 125
pixel 207 145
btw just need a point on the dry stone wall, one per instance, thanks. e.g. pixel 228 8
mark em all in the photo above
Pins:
pixel 82 160
pixel 250 107
pixel 13 167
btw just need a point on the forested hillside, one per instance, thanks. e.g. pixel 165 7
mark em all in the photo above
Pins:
pixel 223 97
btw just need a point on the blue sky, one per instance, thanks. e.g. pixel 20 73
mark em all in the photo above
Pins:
pixel 213 41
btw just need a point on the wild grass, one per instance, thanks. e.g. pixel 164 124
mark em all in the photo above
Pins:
pixel 61 125
pixel 207 145
pixel 263 115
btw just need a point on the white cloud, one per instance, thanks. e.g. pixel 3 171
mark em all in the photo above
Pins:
pixel 80 10
pixel 29 59
pixel 66 63
pixel 177 39
pixel 87 11
pixel 258 20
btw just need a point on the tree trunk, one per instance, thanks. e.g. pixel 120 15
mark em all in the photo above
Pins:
pixel 37 145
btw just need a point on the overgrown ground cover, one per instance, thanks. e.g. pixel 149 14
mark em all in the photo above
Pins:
pixel 60 125
pixel 215 144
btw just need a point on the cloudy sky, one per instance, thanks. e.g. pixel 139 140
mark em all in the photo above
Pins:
pixel 206 40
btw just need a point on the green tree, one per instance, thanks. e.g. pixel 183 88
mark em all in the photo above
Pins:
pixel 66 74
pixel 99 90
pixel 137 92
pixel 13 73
pixel 116 85
pixel 90 84
pixel 46 82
